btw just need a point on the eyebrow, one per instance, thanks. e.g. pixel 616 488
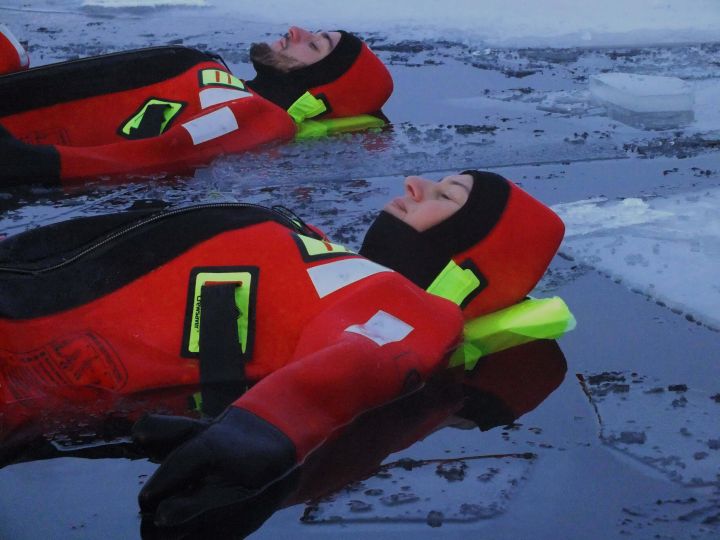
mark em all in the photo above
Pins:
pixel 456 183
pixel 327 36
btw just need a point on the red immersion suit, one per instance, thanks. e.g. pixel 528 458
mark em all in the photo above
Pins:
pixel 168 110
pixel 105 320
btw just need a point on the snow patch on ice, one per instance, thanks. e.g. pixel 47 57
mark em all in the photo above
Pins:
pixel 589 216
pixel 667 248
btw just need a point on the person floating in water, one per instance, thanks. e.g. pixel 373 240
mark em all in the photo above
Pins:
pixel 168 110
pixel 257 319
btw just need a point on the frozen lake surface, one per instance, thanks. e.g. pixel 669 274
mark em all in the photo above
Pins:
pixel 629 449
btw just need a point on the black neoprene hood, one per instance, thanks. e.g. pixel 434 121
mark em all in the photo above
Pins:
pixel 284 88
pixel 421 256
pixel 476 218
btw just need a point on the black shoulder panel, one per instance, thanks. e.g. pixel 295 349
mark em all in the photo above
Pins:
pixel 68 264
pixel 44 86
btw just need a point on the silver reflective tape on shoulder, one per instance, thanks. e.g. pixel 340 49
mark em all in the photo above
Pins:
pixel 211 125
pixel 213 96
pixel 333 276
pixel 382 328
pixel 22 53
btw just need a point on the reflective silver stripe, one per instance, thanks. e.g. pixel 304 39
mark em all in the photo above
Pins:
pixel 211 125
pixel 213 96
pixel 333 276
pixel 382 328
pixel 22 53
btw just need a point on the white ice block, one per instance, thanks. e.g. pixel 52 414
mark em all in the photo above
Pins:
pixel 644 101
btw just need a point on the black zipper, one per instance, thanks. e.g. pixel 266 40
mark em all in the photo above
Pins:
pixel 283 217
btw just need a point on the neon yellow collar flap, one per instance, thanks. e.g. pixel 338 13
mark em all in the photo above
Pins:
pixel 531 319
pixel 308 106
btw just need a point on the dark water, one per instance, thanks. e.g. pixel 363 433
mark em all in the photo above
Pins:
pixel 629 448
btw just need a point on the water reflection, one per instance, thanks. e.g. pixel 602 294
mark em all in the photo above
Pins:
pixel 502 388
pixel 498 391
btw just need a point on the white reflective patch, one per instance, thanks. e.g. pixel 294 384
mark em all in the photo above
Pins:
pixel 333 276
pixel 213 96
pixel 382 328
pixel 211 125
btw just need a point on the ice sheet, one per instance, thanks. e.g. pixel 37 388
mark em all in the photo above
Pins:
pixel 667 248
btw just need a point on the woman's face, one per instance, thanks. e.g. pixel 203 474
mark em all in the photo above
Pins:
pixel 427 203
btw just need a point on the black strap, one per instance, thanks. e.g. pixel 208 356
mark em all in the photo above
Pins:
pixel 222 373
pixel 151 123
pixel 22 163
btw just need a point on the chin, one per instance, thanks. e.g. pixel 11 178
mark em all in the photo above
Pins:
pixel 393 211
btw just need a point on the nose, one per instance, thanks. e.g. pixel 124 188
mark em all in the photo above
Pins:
pixel 298 34
pixel 416 186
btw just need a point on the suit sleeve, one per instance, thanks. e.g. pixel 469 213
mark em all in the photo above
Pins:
pixel 228 128
pixel 377 344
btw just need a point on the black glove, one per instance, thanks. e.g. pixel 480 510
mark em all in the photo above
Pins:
pixel 157 435
pixel 226 479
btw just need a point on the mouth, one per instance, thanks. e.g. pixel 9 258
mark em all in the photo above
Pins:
pixel 282 43
pixel 399 203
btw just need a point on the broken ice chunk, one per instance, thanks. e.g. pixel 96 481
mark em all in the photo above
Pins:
pixel 644 101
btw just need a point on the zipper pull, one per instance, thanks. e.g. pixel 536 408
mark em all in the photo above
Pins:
pixel 297 222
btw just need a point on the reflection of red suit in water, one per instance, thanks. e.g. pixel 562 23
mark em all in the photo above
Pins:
pixel 329 334
pixel 499 390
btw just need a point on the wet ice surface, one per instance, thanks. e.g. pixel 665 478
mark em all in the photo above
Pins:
pixel 81 504
pixel 672 429
pixel 685 445
pixel 641 209
pixel 473 488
